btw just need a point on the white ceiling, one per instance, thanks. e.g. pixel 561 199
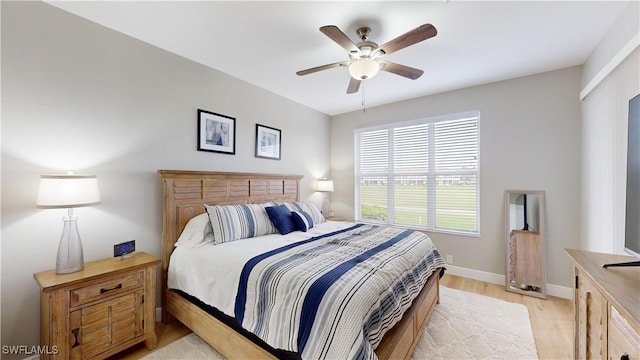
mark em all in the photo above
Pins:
pixel 265 42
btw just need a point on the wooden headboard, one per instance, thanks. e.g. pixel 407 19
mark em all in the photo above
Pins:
pixel 185 192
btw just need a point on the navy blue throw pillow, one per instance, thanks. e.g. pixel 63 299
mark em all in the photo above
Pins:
pixel 280 216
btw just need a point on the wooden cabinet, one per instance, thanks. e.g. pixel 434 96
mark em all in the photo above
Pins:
pixel 607 307
pixel 100 310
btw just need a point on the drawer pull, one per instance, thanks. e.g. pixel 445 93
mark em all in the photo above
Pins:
pixel 119 286
pixel 75 337
pixel 624 356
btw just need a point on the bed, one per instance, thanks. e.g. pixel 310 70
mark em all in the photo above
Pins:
pixel 184 196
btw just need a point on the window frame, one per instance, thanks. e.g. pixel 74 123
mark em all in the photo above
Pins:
pixel 431 174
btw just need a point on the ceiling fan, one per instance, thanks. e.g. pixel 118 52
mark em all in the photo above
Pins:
pixel 365 56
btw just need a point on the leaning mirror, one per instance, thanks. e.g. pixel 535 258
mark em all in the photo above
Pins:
pixel 525 236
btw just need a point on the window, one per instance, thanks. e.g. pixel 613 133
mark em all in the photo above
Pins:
pixel 421 174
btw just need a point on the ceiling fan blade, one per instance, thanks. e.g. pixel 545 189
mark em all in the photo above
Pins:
pixel 402 70
pixel 422 32
pixel 322 67
pixel 339 37
pixel 354 86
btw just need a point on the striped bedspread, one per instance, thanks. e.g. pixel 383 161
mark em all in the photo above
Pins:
pixel 334 296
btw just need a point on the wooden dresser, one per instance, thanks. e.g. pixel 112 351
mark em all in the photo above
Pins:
pixel 607 307
pixel 98 311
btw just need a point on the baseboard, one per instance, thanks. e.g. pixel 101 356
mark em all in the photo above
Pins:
pixel 475 274
pixel 560 291
pixel 552 290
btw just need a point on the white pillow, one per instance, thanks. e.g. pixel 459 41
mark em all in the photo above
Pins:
pixel 197 232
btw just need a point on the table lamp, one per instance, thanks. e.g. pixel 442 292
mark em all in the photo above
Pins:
pixel 325 186
pixel 68 191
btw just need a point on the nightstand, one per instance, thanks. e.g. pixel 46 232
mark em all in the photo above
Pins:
pixel 336 218
pixel 101 310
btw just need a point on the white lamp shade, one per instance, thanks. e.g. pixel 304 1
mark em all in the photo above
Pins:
pixel 67 191
pixel 363 69
pixel 325 185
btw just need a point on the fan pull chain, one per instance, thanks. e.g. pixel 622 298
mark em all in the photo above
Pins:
pixel 364 108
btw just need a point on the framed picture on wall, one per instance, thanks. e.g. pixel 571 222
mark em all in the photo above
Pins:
pixel 268 142
pixel 216 132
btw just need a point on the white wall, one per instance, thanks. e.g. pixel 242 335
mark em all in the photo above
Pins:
pixel 529 140
pixel 605 112
pixel 77 96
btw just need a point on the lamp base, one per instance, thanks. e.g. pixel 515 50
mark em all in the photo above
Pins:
pixel 325 205
pixel 70 256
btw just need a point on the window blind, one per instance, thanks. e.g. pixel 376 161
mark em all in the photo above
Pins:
pixel 421 174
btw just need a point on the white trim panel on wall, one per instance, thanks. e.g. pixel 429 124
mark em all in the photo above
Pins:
pixel 611 65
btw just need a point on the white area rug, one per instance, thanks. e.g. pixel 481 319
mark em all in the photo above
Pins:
pixel 463 326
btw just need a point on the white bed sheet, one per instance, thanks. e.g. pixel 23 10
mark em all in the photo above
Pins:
pixel 211 272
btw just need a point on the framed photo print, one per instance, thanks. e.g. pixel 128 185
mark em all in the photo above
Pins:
pixel 268 142
pixel 216 133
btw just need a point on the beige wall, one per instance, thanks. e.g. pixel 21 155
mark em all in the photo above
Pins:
pixel 605 110
pixel 529 140
pixel 77 96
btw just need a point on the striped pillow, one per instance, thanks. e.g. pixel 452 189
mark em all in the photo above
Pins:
pixel 309 207
pixel 302 220
pixel 235 222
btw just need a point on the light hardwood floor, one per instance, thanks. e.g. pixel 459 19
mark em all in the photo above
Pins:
pixel 551 320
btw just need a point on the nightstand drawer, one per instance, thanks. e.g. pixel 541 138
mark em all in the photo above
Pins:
pixel 112 286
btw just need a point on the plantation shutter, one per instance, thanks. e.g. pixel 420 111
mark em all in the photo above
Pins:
pixel 421 174
pixel 411 167
pixel 374 166
pixel 456 174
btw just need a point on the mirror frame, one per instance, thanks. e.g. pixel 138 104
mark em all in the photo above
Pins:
pixel 543 261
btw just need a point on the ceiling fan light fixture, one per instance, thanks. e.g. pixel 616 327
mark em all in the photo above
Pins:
pixel 362 55
pixel 363 68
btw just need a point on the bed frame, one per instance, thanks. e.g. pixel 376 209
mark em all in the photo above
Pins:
pixel 185 192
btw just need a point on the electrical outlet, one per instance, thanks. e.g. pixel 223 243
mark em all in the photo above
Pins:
pixel 449 259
